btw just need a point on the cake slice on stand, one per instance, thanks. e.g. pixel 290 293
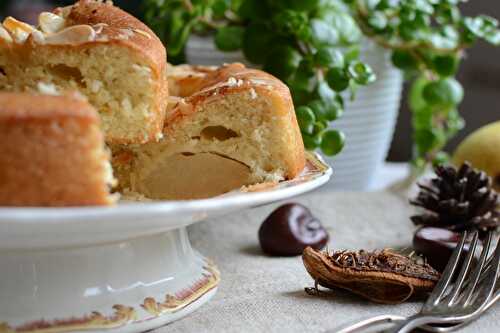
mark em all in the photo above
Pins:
pixel 106 54
pixel 52 152
pixel 227 127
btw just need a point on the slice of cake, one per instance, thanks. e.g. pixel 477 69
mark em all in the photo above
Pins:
pixel 52 152
pixel 227 127
pixel 109 56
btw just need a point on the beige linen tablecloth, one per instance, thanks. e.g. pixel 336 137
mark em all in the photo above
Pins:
pixel 263 294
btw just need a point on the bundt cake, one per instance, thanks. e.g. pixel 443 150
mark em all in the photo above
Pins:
pixel 109 56
pixel 219 130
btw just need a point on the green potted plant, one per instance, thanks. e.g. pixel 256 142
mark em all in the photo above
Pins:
pixel 321 48
pixel 428 40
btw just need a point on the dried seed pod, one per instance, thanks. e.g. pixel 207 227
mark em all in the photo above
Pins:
pixel 381 276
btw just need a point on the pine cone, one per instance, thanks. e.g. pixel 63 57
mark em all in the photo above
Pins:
pixel 458 200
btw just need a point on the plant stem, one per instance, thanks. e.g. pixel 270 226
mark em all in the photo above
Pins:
pixel 209 23
pixel 188 5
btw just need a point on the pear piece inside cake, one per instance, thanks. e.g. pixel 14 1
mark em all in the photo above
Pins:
pixel 227 127
pixel 93 47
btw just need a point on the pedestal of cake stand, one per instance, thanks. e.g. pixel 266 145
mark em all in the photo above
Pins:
pixel 128 286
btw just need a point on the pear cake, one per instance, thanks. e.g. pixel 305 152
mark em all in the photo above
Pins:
pixel 106 54
pixel 91 79
pixel 225 128
pixel 52 152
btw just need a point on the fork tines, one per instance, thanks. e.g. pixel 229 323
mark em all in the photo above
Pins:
pixel 475 284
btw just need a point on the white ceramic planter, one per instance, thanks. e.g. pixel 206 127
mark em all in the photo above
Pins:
pixel 368 123
pixel 202 51
pixel 369 120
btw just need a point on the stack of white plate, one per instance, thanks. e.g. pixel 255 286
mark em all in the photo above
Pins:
pixel 368 121
pixel 368 124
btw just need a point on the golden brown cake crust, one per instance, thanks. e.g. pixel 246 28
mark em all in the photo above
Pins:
pixel 17 107
pixel 51 152
pixel 113 21
pixel 198 84
pixel 143 40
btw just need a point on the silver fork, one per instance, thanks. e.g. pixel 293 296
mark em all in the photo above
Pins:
pixel 490 271
pixel 465 300
pixel 378 321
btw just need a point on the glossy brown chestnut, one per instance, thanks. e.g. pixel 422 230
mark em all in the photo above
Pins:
pixel 436 244
pixel 289 230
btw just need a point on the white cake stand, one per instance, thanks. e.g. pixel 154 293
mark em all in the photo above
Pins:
pixel 128 268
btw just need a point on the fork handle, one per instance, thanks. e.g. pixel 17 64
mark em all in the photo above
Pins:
pixel 419 320
pixel 370 322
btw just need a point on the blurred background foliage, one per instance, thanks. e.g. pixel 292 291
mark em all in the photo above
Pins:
pixel 480 73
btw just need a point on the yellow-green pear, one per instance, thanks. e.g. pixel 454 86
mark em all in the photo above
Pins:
pixel 482 149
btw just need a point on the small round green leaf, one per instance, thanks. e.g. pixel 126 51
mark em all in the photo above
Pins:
pixel 422 118
pixel 345 25
pixel 319 127
pixel 334 110
pixel 352 53
pixel 331 102
pixel 329 57
pixel 446 65
pixel 444 92
pixel 323 33
pixel 324 92
pixel 304 78
pixel 319 109
pixel 425 140
pixel 361 73
pixel 220 7
pixel 289 22
pixel 337 79
pixel 404 60
pixel 283 62
pixel 332 143
pixel 306 119
pixel 416 99
pixel 377 21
